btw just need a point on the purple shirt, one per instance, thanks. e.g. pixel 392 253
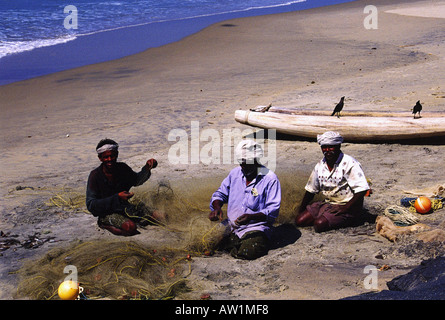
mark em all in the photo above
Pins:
pixel 263 194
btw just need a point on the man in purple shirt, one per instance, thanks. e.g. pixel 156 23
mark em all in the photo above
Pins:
pixel 253 196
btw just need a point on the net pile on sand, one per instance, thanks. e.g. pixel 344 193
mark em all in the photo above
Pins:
pixel 68 199
pixel 127 269
pixel 108 269
pixel 124 268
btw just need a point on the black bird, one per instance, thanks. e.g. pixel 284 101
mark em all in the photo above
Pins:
pixel 338 107
pixel 417 108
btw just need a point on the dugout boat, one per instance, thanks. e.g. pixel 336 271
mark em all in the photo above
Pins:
pixel 354 126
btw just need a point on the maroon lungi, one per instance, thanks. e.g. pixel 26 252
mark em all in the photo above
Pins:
pixel 326 209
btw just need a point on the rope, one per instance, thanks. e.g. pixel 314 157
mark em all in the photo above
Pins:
pixel 401 216
pixel 246 117
pixel 436 204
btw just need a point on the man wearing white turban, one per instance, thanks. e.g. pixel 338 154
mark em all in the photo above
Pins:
pixel 341 180
pixel 329 138
pixel 108 191
pixel 253 196
pixel 248 150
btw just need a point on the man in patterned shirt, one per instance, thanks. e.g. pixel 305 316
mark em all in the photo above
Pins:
pixel 341 180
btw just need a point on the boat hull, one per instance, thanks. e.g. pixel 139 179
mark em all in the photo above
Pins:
pixel 352 128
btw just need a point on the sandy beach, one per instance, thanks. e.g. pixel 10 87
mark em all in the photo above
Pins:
pixel 50 126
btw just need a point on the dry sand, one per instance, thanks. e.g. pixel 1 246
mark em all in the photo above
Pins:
pixel 50 126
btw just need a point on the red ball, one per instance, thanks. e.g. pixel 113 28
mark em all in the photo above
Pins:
pixel 422 205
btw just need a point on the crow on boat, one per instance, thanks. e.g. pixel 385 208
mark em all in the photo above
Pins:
pixel 338 107
pixel 417 108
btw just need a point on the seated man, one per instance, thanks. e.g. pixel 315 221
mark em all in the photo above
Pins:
pixel 341 180
pixel 108 190
pixel 253 195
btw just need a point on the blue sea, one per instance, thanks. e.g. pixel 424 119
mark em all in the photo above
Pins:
pixel 38 37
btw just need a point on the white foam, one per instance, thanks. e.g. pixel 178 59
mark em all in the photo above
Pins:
pixel 13 47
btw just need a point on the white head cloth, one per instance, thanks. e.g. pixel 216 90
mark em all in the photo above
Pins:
pixel 107 147
pixel 248 150
pixel 330 138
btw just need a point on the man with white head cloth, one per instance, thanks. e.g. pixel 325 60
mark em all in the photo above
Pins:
pixel 253 196
pixel 341 180
pixel 108 191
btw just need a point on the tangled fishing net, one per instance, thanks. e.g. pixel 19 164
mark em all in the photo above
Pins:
pixel 128 269
pixel 108 269
pixel 122 269
pixel 68 199
pixel 401 216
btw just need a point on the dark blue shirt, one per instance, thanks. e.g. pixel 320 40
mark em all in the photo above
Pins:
pixel 102 194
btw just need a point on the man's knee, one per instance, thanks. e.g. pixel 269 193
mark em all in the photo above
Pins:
pixel 252 247
pixel 304 219
pixel 118 225
pixel 321 224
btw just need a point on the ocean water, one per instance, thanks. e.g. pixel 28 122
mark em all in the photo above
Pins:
pixel 27 26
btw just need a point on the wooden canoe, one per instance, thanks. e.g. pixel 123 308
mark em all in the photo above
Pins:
pixel 359 127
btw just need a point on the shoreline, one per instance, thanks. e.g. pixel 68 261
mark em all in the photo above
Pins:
pixel 97 47
pixel 50 126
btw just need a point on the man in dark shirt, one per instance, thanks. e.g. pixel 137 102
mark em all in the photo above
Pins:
pixel 108 190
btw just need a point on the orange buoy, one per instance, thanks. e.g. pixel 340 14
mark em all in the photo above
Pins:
pixel 422 204
pixel 68 290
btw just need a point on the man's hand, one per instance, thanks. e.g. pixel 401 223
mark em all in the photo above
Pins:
pixel 245 218
pixel 125 195
pixel 346 207
pixel 217 212
pixel 339 210
pixel 216 215
pixel 151 164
